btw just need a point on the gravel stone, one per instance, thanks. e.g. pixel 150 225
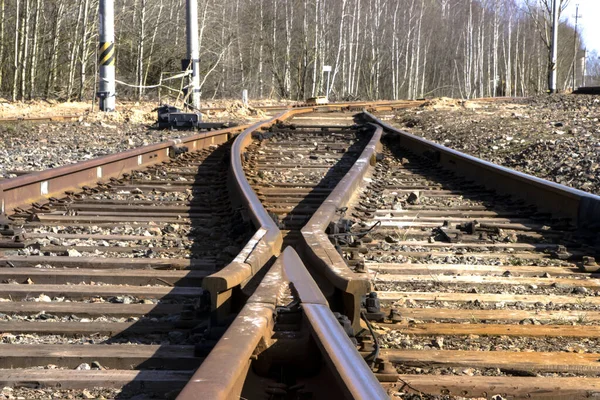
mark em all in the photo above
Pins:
pixel 517 133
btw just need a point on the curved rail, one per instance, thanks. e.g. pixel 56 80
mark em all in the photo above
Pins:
pixel 251 338
pixel 581 208
pixel 266 242
pixel 37 186
pixel 226 373
pixel 223 373
pixel 321 252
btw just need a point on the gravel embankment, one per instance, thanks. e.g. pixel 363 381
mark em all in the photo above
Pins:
pixel 28 146
pixel 553 137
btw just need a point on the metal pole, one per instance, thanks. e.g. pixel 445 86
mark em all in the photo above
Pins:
pixel 328 75
pixel 193 52
pixel 554 45
pixel 106 59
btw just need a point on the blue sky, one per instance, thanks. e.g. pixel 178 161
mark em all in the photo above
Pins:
pixel 588 24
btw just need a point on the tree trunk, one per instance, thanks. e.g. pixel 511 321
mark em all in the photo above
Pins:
pixel 2 45
pixel 418 56
pixel 140 52
pixel 340 45
pixel 495 50
pixel 25 46
pixel 261 81
pixel 153 41
pixel 16 56
pixel 34 49
pixel 72 55
pixel 274 48
pixel 84 49
pixel 239 45
pixel 289 19
pixel 52 72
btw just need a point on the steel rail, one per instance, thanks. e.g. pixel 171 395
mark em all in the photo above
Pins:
pixel 255 320
pixel 223 374
pixel 266 242
pixel 44 118
pixel 581 208
pixel 27 189
pixel 346 363
pixel 359 105
pixel 321 252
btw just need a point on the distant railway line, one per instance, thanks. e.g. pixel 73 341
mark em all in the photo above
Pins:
pixel 314 255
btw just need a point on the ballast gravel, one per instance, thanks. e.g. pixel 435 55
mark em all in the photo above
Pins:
pixel 561 130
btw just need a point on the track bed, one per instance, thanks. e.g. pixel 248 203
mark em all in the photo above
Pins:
pixel 293 168
pixel 475 286
pixel 104 288
pixel 478 293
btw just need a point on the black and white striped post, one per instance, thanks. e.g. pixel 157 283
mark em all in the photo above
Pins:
pixel 106 56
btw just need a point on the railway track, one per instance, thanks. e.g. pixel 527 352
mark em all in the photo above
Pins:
pixel 484 277
pixel 108 281
pixel 294 168
pixel 482 274
pixel 274 109
pixel 476 286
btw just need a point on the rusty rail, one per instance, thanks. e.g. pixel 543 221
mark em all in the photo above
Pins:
pixel 226 373
pixel 223 373
pixel 27 189
pixel 227 370
pixel 581 208
pixel 251 338
pixel 266 242
pixel 320 251
pixel 43 118
pixel 356 105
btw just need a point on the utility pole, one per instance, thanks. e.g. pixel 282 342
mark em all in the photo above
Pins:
pixel 193 53
pixel 106 59
pixel 555 5
pixel 577 16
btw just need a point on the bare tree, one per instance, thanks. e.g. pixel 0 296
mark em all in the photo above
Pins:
pixel 16 51
pixel 24 45
pixel 277 48
pixel 2 45
pixel 53 69
pixel 34 49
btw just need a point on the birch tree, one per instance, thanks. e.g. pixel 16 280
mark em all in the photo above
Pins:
pixel 378 49
pixel 2 45
pixel 16 51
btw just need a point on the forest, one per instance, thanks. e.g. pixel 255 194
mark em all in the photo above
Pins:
pixel 378 49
